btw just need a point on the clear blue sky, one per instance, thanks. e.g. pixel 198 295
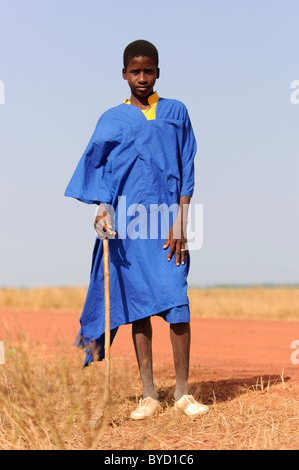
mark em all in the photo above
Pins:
pixel 230 62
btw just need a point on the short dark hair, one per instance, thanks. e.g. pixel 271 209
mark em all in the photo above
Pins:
pixel 140 48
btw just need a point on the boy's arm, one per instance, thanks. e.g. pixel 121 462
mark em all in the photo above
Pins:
pixel 177 238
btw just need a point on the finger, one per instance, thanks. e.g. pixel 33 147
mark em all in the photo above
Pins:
pixel 100 233
pixel 185 254
pixel 184 251
pixel 101 229
pixel 103 225
pixel 166 244
pixel 108 221
pixel 178 253
pixel 100 225
pixel 110 235
pixel 108 225
pixel 171 250
pixel 97 220
pixel 108 232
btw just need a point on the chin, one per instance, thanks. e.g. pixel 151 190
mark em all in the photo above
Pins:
pixel 144 93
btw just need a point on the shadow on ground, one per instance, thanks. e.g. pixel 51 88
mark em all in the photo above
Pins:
pixel 221 391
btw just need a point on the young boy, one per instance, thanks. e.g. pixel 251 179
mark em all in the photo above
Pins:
pixel 142 151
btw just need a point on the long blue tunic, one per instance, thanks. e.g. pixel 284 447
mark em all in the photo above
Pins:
pixel 148 162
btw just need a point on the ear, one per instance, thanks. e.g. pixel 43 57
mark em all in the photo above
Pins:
pixel 158 72
pixel 124 74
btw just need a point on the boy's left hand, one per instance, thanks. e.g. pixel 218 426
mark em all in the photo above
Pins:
pixel 177 242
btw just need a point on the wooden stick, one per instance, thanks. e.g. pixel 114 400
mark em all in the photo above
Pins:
pixel 107 321
pixel 97 419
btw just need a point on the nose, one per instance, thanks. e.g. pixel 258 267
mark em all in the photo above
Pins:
pixel 142 78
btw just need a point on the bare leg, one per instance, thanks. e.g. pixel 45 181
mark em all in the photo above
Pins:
pixel 142 338
pixel 180 338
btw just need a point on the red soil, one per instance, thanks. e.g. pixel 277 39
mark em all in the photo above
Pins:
pixel 222 348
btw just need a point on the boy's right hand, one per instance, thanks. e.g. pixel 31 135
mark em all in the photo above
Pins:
pixel 103 223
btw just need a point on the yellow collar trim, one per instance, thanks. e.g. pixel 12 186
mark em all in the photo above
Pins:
pixel 150 113
pixel 152 99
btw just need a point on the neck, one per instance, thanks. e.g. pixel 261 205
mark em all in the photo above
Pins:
pixel 140 102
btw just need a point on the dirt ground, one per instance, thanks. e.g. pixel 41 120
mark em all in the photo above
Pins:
pixel 220 348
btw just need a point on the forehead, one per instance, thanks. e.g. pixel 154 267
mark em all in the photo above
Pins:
pixel 141 62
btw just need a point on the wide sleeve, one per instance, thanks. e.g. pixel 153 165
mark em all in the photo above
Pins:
pixel 92 179
pixel 188 152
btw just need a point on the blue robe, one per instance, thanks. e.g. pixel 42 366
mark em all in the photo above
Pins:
pixel 149 162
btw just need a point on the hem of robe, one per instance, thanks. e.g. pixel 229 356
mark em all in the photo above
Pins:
pixel 172 315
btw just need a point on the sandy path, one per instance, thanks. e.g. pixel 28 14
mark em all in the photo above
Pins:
pixel 222 348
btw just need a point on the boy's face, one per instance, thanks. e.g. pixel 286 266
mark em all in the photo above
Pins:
pixel 141 74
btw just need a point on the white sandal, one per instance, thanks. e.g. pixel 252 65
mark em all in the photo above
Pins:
pixel 147 408
pixel 188 405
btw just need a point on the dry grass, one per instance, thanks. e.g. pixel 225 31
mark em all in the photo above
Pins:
pixel 47 405
pixel 279 303
pixel 43 298
pixel 263 303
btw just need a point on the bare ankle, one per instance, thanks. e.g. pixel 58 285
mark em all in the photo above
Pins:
pixel 179 393
pixel 150 393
